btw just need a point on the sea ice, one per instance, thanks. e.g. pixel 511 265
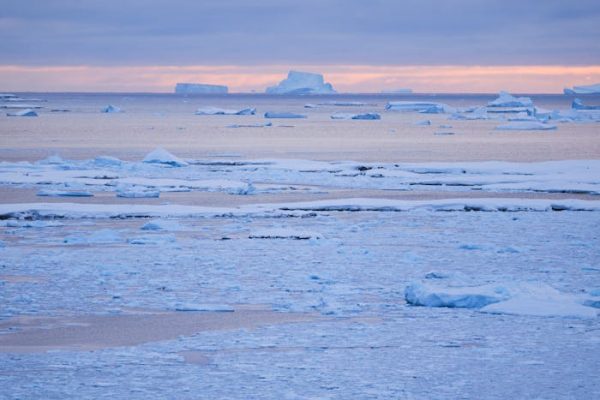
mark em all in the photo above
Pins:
pixel 224 111
pixel 505 99
pixel 64 193
pixel 199 88
pixel 272 114
pixel 162 156
pixel 526 126
pixel 302 83
pixel 111 109
pixel 28 112
pixel 365 116
pixel 280 233
pixel 190 307
pixel 256 125
pixel 97 237
pixel 424 122
pixel 421 294
pixel 137 192
pixel 161 225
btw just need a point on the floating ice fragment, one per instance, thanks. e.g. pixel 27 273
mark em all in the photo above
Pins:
pixel 96 237
pixel 162 156
pixel 578 105
pixel 111 109
pixel 526 126
pixel 256 125
pixel 225 111
pixel 161 225
pixel 276 233
pixel 137 192
pixel 420 294
pixel 64 193
pixel 505 99
pixel 28 112
pixel 271 114
pixel 365 116
pixel 301 83
pixel 190 307
pixel 424 122
pixel 419 106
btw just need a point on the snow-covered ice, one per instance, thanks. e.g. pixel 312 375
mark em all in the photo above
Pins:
pixel 505 99
pixel 199 88
pixel 162 156
pixel 425 107
pixel 526 126
pixel 225 111
pixel 276 114
pixel 587 89
pixel 28 112
pixel 111 109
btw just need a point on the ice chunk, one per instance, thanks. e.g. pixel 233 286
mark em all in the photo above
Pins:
pixel 424 122
pixel 272 114
pixel 107 161
pixel 256 125
pixel 225 111
pixel 65 193
pixel 153 240
pixel 505 99
pixel 161 225
pixel 310 105
pixel 277 233
pixel 343 103
pixel 111 109
pixel 589 89
pixel 419 106
pixel 301 83
pixel 137 193
pixel 420 294
pixel 28 112
pixel 162 156
pixel 578 105
pixel 203 307
pixel 526 126
pixel 365 116
pixel 199 88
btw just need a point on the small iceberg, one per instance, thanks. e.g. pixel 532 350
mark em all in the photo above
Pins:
pixel 298 83
pixel 420 294
pixel 138 193
pixel 200 88
pixel 111 109
pixel 419 106
pixel 589 89
pixel 28 112
pixel 505 99
pixel 424 122
pixel 162 156
pixel 578 105
pixel 224 111
pixel 271 114
pixel 189 307
pixel 526 126
pixel 365 116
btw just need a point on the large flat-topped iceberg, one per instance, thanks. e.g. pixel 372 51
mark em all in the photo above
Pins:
pixel 199 88
pixel 589 89
pixel 302 83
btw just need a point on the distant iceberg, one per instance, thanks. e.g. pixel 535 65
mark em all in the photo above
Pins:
pixel 590 89
pixel 200 88
pixel 505 99
pixel 426 107
pixel 301 83
pixel 578 105
pixel 271 114
pixel 111 109
pixel 224 111
pixel 397 91
pixel 23 113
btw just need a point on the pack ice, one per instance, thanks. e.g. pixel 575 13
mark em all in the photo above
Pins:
pixel 302 83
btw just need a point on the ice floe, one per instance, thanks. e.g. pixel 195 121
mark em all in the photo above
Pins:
pixel 532 299
pixel 161 225
pixel 425 107
pixel 162 156
pixel 365 116
pixel 424 122
pixel 64 193
pixel 225 111
pixel 301 83
pixel 273 114
pixel 280 233
pixel 255 125
pixel 578 105
pixel 526 126
pixel 28 112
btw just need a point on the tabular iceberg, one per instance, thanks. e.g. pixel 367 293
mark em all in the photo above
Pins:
pixel 302 83
pixel 419 106
pixel 200 88
pixel 505 99
pixel 589 89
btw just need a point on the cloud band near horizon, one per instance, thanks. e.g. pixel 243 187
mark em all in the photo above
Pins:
pixel 345 78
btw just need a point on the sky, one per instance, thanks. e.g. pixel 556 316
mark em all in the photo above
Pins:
pixel 360 45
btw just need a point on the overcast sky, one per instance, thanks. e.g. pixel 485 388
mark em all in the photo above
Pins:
pixel 308 32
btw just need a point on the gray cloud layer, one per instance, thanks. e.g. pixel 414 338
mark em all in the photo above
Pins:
pixel 178 32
